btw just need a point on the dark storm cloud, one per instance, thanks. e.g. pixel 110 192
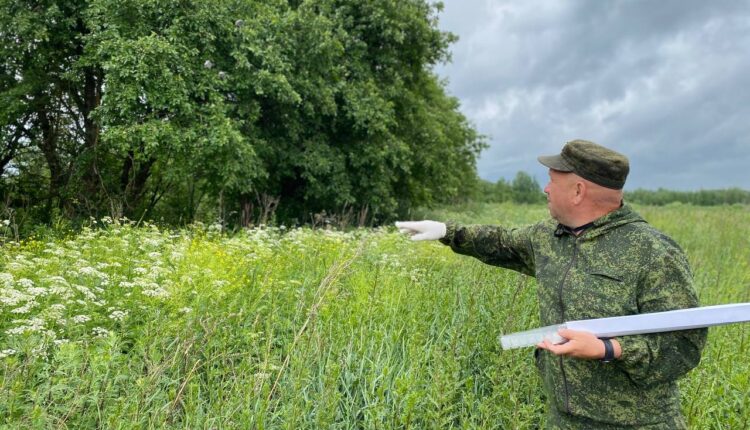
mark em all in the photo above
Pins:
pixel 665 82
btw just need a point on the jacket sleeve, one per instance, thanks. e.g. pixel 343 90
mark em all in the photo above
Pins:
pixel 495 245
pixel 663 357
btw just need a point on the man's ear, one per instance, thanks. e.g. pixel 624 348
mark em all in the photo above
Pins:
pixel 580 193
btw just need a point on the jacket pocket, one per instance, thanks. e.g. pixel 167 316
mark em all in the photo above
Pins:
pixel 606 275
pixel 607 294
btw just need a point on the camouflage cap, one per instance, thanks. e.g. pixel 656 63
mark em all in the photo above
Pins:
pixel 590 161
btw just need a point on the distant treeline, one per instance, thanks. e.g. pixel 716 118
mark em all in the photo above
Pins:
pixel 525 189
pixel 662 197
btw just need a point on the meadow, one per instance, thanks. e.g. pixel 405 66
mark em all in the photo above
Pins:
pixel 139 326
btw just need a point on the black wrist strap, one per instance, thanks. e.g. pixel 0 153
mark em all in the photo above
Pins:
pixel 609 350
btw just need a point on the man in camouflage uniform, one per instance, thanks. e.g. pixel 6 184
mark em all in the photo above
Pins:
pixel 595 258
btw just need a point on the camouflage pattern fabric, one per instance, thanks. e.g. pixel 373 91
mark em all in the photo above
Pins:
pixel 619 266
pixel 590 161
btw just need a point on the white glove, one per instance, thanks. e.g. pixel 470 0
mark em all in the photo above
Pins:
pixel 422 230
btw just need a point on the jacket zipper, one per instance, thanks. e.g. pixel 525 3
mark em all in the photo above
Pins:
pixel 562 308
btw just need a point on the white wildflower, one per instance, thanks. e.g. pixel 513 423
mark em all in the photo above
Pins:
pixel 152 242
pixel 80 319
pixel 6 279
pixel 54 313
pixel 140 270
pixel 90 271
pixel 32 325
pixel 38 291
pixel 57 280
pixel 157 292
pixel 25 308
pixel 118 315
pixel 146 284
pixel 11 297
pixel 26 283
pixel 86 270
pixel 155 272
pixel 39 261
pixel 59 342
pixel 186 310
pixel 54 250
pixel 154 255
pixel 85 291
pixel 100 331
pixel 7 353
pixel 6 222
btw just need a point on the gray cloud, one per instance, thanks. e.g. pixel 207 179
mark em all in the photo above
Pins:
pixel 664 82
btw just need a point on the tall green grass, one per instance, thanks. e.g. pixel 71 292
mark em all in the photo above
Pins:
pixel 124 327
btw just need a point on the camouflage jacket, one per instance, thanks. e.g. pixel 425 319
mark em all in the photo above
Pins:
pixel 619 266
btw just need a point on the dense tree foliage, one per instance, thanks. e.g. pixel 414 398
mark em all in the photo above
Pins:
pixel 183 109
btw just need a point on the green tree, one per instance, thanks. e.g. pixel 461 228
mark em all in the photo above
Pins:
pixel 202 109
pixel 526 189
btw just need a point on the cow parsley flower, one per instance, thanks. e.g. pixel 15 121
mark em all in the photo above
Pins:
pixel 26 283
pixel 87 270
pixel 157 292
pixel 100 331
pixel 80 319
pixel 118 315
pixel 25 308
pixel 31 325
pixel 6 279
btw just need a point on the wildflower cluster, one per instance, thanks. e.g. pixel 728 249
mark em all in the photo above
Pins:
pixel 113 273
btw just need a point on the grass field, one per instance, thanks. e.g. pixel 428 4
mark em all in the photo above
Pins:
pixel 125 327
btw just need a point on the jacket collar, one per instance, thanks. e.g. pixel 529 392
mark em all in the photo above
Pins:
pixel 621 216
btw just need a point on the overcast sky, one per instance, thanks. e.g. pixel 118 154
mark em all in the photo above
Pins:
pixel 666 82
